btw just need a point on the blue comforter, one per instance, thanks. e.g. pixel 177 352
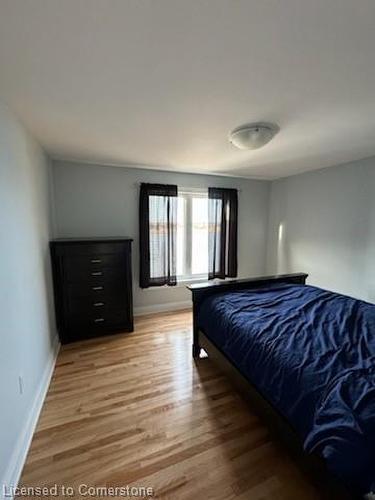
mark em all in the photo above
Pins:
pixel 311 353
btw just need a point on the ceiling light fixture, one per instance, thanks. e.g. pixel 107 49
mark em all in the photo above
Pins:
pixel 253 136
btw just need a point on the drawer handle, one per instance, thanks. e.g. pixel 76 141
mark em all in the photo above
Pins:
pixel 96 261
pixel 98 304
pixel 98 288
pixel 98 273
pixel 99 320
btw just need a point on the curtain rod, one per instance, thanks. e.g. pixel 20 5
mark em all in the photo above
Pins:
pixel 185 189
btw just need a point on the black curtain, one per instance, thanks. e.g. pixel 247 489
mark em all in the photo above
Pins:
pixel 222 233
pixel 157 235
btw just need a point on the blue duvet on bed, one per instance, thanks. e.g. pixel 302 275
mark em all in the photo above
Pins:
pixel 311 353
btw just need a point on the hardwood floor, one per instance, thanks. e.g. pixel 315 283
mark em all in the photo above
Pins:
pixel 134 409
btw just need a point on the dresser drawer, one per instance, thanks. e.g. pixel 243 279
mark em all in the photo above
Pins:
pixel 96 304
pixel 91 322
pixel 97 275
pixel 80 263
pixel 96 289
pixel 91 249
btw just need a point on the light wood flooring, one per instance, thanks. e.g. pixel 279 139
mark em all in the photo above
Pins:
pixel 134 409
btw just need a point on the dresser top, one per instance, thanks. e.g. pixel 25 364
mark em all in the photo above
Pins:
pixel 112 239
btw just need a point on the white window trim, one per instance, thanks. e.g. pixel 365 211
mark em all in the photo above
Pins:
pixel 194 278
pixel 188 194
pixel 182 283
pixel 187 279
pixel 193 191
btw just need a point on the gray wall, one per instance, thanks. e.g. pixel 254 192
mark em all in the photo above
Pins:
pixel 27 324
pixel 323 222
pixel 93 200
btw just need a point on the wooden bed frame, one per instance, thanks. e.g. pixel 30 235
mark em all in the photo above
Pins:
pixel 313 464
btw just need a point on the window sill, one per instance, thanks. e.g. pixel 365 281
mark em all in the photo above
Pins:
pixel 190 281
pixel 181 283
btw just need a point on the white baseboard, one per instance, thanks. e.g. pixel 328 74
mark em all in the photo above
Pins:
pixel 18 458
pixel 169 306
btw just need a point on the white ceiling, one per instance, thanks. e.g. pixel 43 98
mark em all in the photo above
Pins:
pixel 162 82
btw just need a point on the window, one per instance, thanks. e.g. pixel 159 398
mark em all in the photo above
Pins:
pixel 192 235
pixel 186 234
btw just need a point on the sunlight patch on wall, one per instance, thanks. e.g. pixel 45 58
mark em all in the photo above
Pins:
pixel 281 249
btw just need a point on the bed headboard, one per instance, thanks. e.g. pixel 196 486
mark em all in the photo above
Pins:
pixel 203 290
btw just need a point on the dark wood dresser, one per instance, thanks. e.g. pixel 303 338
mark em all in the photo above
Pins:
pixel 92 286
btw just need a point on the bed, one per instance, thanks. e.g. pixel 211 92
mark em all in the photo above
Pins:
pixel 305 357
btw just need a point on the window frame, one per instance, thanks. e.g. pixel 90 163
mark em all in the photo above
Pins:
pixel 188 194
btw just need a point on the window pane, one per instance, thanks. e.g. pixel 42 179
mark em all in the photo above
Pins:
pixel 181 236
pixel 158 227
pixel 215 208
pixel 162 223
pixel 199 264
